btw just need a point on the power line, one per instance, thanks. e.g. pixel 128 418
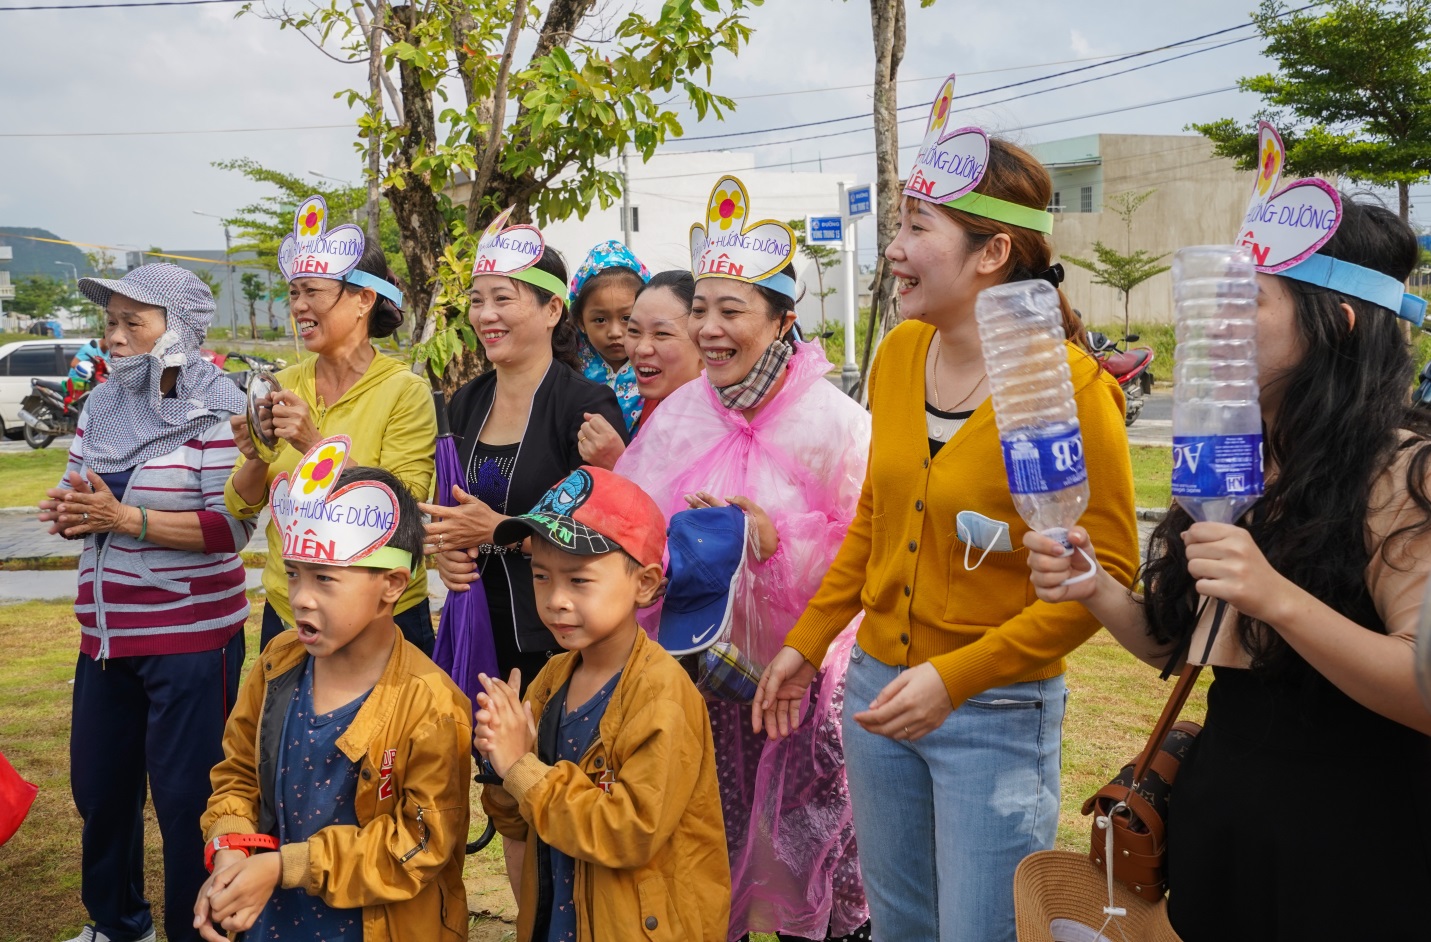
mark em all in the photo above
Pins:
pixel 300 127
pixel 107 6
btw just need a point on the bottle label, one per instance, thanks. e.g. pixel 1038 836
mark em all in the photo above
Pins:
pixel 1212 466
pixel 1044 462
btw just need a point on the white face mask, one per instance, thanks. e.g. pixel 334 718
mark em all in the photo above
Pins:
pixel 977 530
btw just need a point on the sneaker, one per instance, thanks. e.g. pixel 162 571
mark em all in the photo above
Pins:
pixel 91 934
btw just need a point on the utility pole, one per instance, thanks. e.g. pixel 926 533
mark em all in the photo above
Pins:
pixel 626 197
pixel 849 259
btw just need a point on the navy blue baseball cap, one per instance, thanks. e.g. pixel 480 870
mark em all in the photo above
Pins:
pixel 707 548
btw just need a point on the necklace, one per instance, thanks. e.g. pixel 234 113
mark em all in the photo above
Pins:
pixel 938 399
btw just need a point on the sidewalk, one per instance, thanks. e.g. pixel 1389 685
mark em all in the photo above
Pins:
pixel 24 537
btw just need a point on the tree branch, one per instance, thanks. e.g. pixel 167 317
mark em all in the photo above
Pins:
pixel 499 117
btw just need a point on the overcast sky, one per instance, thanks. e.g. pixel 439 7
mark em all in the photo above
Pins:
pixel 197 68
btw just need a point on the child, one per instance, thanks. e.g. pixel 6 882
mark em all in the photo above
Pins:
pixel 602 293
pixel 609 765
pixel 347 752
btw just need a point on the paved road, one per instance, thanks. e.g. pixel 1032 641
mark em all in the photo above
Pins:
pixel 22 536
pixel 1155 423
pixel 18 445
pixel 60 584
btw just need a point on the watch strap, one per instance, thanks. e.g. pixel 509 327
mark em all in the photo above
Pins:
pixel 244 842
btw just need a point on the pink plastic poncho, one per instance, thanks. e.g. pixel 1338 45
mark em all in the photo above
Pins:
pixel 787 807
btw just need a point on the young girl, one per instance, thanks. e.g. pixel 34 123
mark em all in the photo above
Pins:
pixel 954 706
pixel 603 292
pixel 1313 707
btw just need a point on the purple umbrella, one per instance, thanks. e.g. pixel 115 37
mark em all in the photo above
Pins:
pixel 464 633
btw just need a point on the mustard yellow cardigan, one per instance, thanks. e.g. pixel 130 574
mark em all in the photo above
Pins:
pixel 904 564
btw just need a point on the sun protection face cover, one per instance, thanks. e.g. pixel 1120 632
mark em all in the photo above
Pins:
pixel 727 245
pixel 1284 228
pixel 349 526
pixel 590 512
pixel 511 253
pixel 315 251
pixel 707 550
pixel 951 163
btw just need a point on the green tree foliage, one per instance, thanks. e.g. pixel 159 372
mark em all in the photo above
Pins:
pixel 41 297
pixel 1352 94
pixel 1126 270
pixel 467 130
pixel 254 290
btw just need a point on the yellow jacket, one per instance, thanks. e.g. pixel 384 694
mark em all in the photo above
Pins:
pixel 650 854
pixel 390 418
pixel 412 742
pixel 903 562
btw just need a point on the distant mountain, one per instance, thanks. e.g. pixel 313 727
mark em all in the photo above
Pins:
pixel 33 257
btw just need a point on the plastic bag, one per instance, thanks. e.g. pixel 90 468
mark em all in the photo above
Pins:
pixel 16 797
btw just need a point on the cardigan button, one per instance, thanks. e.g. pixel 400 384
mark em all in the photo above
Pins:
pixel 906 591
pixel 904 637
pixel 651 923
pixel 600 762
pixel 926 462
pixel 913 546
pixel 919 505
pixel 367 774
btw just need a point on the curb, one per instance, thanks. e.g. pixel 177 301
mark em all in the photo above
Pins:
pixel 1152 514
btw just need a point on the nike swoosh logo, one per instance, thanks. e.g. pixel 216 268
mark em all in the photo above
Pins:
pixel 700 639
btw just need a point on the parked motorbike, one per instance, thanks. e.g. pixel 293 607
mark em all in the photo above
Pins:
pixel 45 413
pixel 1129 366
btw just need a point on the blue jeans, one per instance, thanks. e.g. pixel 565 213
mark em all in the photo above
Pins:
pixel 943 821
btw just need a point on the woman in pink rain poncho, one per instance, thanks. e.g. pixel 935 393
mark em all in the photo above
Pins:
pixel 767 431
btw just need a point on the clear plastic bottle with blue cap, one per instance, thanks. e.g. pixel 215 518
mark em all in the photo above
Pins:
pixel 1025 356
pixel 1217 415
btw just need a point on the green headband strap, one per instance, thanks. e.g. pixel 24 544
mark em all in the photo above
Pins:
pixel 386 557
pixel 544 280
pixel 990 207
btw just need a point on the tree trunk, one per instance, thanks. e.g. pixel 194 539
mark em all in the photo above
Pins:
pixel 1403 200
pixel 887 18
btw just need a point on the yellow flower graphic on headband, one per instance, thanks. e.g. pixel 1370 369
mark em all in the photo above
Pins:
pixel 726 207
pixel 1269 163
pixel 318 472
pixel 310 221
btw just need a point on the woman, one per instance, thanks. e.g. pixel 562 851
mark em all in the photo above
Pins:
pixel 346 388
pixel 955 698
pixel 766 431
pixel 161 596
pixel 1313 681
pixel 518 426
pixel 603 291
pixel 663 357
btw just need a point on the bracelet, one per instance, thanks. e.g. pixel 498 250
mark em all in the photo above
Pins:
pixel 144 523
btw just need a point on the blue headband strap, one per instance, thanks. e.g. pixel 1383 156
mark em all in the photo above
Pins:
pixel 783 284
pixel 1363 283
pixel 364 280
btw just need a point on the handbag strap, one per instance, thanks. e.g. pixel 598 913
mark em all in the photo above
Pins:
pixel 1179 697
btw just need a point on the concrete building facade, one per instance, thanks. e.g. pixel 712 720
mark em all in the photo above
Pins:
pixel 1198 199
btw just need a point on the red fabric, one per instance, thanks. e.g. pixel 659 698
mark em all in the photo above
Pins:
pixel 624 514
pixel 16 797
pixel 218 535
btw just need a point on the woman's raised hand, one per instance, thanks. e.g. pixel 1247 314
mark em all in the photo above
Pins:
pixel 456 568
pixel 767 538
pixel 86 506
pixel 598 442
pixel 1052 566
pixel 293 420
pixel 782 691
pixel 243 441
pixel 467 525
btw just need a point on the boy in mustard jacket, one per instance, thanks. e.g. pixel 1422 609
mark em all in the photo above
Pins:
pixel 609 766
pixel 340 810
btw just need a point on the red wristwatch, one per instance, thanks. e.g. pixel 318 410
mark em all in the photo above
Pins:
pixel 244 842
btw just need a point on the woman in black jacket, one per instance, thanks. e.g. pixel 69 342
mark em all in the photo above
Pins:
pixel 517 425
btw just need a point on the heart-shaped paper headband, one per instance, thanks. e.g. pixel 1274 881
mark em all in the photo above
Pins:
pixel 1284 230
pixel 315 251
pixel 511 252
pixel 951 163
pixel 726 244
pixel 350 526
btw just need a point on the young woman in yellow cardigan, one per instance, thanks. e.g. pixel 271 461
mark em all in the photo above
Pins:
pixel 955 697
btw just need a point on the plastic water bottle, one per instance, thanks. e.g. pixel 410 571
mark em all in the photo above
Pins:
pixel 1021 329
pixel 1217 418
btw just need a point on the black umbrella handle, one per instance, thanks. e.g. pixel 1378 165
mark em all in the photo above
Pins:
pixel 439 403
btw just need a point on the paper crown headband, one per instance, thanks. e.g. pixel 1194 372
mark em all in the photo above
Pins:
pixel 727 245
pixel 349 526
pixel 511 252
pixel 1284 229
pixel 951 163
pixel 315 251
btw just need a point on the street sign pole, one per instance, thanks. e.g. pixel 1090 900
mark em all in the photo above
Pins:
pixel 850 373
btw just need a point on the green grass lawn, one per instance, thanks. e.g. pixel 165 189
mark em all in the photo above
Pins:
pixel 26 475
pixel 1152 475
pixel 1113 702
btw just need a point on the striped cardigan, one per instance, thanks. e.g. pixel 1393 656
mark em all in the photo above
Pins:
pixel 139 598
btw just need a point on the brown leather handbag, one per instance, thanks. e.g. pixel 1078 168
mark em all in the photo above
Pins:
pixel 1130 813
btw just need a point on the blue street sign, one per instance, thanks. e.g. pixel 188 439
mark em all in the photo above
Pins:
pixel 824 230
pixel 859 200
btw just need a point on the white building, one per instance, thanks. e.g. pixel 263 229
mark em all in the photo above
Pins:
pixel 669 193
pixel 7 290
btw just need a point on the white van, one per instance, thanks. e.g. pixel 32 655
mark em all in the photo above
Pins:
pixel 23 360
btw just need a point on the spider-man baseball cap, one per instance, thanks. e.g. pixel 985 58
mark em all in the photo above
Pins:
pixel 593 511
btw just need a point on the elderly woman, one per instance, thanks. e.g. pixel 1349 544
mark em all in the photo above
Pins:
pixel 351 389
pixel 161 596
